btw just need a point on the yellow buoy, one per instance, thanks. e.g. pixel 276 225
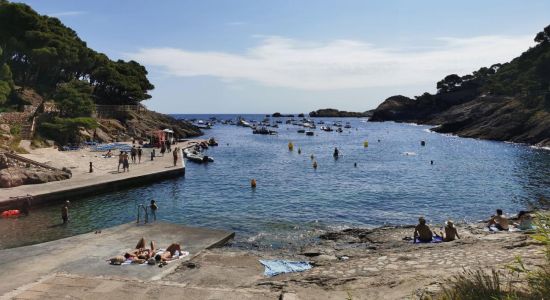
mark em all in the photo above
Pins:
pixel 314 164
pixel 253 183
pixel 366 144
pixel 290 146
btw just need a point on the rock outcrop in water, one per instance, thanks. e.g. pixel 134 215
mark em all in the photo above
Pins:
pixel 334 113
pixel 508 102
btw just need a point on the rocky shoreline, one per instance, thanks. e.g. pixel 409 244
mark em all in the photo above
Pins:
pixel 363 263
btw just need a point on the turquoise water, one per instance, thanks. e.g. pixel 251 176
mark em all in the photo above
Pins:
pixel 293 202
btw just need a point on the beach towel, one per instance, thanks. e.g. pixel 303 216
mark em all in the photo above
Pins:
pixel 435 239
pixel 279 266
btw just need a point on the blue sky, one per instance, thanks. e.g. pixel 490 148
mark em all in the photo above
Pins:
pixel 262 56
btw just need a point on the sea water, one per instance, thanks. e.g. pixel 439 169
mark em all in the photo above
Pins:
pixel 393 182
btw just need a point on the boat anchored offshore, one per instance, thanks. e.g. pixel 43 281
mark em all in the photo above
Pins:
pixel 310 133
pixel 197 157
pixel 263 130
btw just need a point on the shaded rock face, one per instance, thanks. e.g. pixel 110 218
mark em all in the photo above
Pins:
pixel 13 176
pixel 488 117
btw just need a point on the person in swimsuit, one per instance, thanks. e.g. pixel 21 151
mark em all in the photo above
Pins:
pixel 499 221
pixel 422 232
pixel 450 232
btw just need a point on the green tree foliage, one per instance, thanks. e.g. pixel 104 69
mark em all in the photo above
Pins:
pixel 65 130
pixel 43 53
pixel 73 99
pixel 6 81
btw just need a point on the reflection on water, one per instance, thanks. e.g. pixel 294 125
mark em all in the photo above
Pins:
pixel 293 202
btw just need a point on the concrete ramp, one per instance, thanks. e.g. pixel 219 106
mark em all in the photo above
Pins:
pixel 86 254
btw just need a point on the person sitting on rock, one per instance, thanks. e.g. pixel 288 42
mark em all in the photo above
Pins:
pixel 525 221
pixel 499 221
pixel 450 232
pixel 422 232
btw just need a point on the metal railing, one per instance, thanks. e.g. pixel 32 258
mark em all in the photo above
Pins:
pixel 145 209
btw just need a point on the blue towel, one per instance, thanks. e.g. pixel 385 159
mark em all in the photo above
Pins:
pixel 435 239
pixel 278 266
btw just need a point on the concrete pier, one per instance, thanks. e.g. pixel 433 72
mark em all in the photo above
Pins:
pixel 105 178
pixel 85 255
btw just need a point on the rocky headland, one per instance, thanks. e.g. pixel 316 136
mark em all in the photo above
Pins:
pixel 505 102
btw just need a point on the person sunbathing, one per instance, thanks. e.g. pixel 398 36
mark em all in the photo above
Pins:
pixel 422 232
pixel 450 232
pixel 169 253
pixel 499 221
pixel 140 252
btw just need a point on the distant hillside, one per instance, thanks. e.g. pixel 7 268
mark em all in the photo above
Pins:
pixel 505 102
pixel 334 113
pixel 40 56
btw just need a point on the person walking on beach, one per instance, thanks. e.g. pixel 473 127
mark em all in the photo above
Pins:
pixel 153 154
pixel 125 163
pixel 133 153
pixel 65 212
pixel 175 154
pixel 120 161
pixel 153 208
pixel 139 153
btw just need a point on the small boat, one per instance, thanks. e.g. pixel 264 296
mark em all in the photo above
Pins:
pixel 197 157
pixel 310 133
pixel 339 129
pixel 347 125
pixel 263 130
pixel 301 130
pixel 326 128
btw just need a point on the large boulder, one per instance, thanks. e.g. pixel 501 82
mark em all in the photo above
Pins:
pixel 13 176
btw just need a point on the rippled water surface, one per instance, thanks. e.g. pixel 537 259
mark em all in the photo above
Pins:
pixel 292 202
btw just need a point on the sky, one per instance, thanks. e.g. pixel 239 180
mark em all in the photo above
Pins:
pixel 259 56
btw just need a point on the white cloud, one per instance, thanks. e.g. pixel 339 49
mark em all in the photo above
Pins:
pixel 338 64
pixel 67 13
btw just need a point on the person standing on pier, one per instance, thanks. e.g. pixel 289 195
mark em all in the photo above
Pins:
pixel 65 212
pixel 175 154
pixel 162 148
pixel 139 153
pixel 133 153
pixel 125 163
pixel 120 161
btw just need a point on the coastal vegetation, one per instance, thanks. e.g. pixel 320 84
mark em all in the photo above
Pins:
pixel 507 102
pixel 41 56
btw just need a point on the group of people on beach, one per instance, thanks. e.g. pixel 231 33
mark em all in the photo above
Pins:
pixel 152 256
pixel 498 222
